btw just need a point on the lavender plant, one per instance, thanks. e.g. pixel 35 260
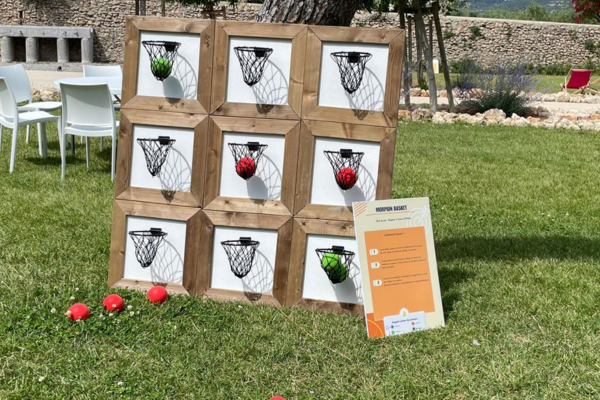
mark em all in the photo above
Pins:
pixel 508 89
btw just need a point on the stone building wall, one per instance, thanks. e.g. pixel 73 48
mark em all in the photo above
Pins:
pixel 489 41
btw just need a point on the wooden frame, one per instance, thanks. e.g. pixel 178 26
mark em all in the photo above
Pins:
pixel 199 123
pixel 223 31
pixel 386 137
pixel 195 234
pixel 314 53
pixel 218 125
pixel 205 28
pixel 282 224
pixel 301 229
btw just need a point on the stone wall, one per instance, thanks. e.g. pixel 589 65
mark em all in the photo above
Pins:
pixel 489 41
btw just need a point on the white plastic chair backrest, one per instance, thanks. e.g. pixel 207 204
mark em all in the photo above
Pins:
pixel 19 82
pixel 8 105
pixel 102 70
pixel 87 104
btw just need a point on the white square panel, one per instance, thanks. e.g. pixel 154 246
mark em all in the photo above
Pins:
pixel 260 278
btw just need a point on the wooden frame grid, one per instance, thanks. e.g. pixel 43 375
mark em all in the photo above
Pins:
pixel 218 125
pixel 314 53
pixel 386 137
pixel 223 31
pixel 195 234
pixel 282 224
pixel 301 229
pixel 199 123
pixel 205 28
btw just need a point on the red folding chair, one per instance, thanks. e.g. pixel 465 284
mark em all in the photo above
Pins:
pixel 579 79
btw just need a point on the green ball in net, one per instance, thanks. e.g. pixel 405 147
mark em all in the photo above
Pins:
pixel 336 270
pixel 161 67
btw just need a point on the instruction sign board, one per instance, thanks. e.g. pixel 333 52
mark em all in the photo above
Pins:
pixel 401 290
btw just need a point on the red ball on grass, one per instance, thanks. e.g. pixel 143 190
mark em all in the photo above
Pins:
pixel 157 294
pixel 78 311
pixel 346 178
pixel 113 302
pixel 277 398
pixel 246 168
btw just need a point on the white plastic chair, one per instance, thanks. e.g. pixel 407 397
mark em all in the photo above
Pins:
pixel 11 118
pixel 103 70
pixel 88 111
pixel 16 76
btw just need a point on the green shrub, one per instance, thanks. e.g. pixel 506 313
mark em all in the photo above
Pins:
pixel 462 66
pixel 475 32
pixel 448 34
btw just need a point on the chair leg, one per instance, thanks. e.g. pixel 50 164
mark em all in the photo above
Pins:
pixel 43 139
pixel 101 144
pixel 1 129
pixel 72 145
pixel 87 151
pixel 62 139
pixel 114 157
pixel 27 137
pixel 13 150
pixel 40 144
pixel 81 139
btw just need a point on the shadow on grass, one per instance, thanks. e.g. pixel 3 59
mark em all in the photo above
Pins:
pixel 450 281
pixel 518 248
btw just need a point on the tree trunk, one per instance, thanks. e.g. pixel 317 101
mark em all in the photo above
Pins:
pixel 313 12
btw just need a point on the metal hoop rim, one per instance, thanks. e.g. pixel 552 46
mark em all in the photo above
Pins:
pixel 347 54
pixel 160 43
pixel 253 49
pixel 148 233
pixel 170 141
pixel 337 252
pixel 239 243
pixel 353 153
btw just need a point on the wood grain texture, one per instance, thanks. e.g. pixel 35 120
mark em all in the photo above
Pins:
pixel 348 131
pixel 205 28
pixel 192 217
pixel 130 65
pixel 326 212
pixel 117 245
pixel 124 155
pixel 212 200
pixel 319 34
pixel 130 118
pixel 205 254
pixel 246 220
pixel 394 79
pixel 387 152
pixel 301 229
pixel 223 31
pixel 355 35
pixel 312 73
pixel 282 261
pixel 304 172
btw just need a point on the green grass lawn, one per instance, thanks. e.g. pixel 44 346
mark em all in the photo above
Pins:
pixel 516 216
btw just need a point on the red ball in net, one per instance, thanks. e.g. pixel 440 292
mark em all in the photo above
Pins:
pixel 346 178
pixel 78 311
pixel 157 294
pixel 113 302
pixel 246 168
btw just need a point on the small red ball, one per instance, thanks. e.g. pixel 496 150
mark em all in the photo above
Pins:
pixel 277 398
pixel 78 311
pixel 113 302
pixel 346 178
pixel 157 294
pixel 246 168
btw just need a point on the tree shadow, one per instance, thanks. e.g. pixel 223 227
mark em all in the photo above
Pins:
pixel 450 280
